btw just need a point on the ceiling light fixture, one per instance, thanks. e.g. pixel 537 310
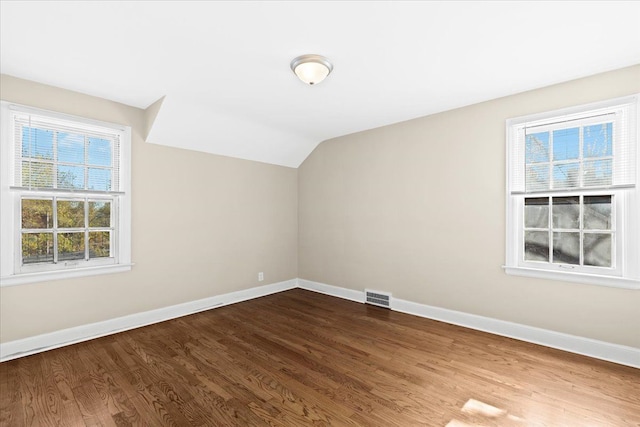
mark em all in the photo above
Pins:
pixel 311 69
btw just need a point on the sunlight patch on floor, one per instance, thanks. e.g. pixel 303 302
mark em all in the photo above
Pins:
pixel 475 407
pixel 476 413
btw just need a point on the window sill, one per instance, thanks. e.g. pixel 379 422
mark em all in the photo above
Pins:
pixel 589 279
pixel 21 279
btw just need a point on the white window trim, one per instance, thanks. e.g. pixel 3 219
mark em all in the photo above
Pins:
pixel 627 276
pixel 10 203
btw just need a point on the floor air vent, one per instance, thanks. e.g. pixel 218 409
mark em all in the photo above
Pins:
pixel 381 299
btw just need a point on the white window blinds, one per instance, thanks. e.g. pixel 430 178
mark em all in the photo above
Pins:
pixel 57 155
pixel 579 151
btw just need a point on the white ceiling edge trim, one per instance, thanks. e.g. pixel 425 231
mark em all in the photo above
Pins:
pixel 177 122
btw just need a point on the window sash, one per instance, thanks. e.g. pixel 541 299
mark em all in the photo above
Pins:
pixel 623 115
pixel 58 124
pixel 617 231
pixel 57 263
pixel 582 230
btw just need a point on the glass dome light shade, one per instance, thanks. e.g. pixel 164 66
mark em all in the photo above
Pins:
pixel 311 69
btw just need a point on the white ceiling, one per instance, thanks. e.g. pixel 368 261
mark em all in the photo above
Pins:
pixel 223 67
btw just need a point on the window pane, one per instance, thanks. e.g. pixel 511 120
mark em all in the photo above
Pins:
pixel 99 152
pixel 536 246
pixel 566 144
pixel 566 212
pixel 566 248
pixel 566 175
pixel 597 249
pixel 597 212
pixel 597 172
pixel 70 213
pixel 598 140
pixel 70 246
pixel 37 175
pixel 537 177
pixel 71 177
pixel 536 212
pixel 537 148
pixel 37 247
pixel 37 213
pixel 99 244
pixel 99 214
pixel 70 148
pixel 99 179
pixel 37 143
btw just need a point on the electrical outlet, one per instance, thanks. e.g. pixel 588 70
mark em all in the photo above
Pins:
pixel 260 276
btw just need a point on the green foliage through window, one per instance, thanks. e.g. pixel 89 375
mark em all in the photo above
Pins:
pixel 82 229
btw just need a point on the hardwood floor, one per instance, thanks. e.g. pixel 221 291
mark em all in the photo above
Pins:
pixel 300 358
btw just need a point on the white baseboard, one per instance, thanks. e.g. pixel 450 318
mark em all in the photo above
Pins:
pixel 623 355
pixel 335 291
pixel 616 353
pixel 39 343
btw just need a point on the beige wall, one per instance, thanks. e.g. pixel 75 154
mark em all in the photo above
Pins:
pixel 418 209
pixel 202 225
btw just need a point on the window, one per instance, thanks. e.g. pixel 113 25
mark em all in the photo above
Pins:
pixel 573 201
pixel 65 196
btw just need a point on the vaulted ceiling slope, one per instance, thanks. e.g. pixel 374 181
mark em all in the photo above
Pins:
pixel 223 67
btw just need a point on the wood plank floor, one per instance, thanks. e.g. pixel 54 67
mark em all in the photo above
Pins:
pixel 300 358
